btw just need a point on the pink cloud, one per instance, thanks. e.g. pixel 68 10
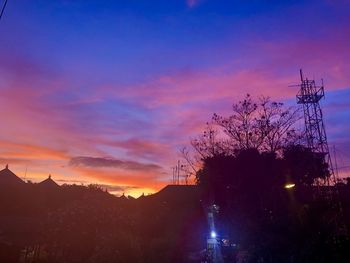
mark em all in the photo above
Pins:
pixel 40 135
pixel 141 148
pixel 207 86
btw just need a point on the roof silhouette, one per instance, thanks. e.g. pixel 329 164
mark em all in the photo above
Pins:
pixel 7 177
pixel 123 198
pixel 49 183
pixel 177 192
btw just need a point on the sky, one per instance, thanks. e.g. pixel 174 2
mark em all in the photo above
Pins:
pixel 107 92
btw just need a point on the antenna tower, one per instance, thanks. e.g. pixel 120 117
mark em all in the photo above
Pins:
pixel 309 96
pixel 179 171
pixel 176 173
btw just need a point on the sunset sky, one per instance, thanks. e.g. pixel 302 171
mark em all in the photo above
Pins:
pixel 107 92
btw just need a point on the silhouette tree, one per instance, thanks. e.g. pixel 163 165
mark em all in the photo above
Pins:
pixel 254 124
pixel 234 149
pixel 304 167
pixel 247 159
pixel 208 144
pixel 273 223
pixel 250 173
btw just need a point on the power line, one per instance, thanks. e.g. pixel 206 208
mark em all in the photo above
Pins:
pixel 344 167
pixel 3 9
pixel 343 153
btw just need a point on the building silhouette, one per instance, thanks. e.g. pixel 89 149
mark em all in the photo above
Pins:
pixel 8 178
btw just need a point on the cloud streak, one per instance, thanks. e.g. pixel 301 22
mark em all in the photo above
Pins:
pixel 97 162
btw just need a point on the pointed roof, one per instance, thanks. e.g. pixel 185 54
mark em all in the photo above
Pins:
pixel 178 192
pixel 7 177
pixel 141 196
pixel 49 183
pixel 130 197
pixel 123 197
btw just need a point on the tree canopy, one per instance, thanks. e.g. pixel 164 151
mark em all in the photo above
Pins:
pixel 247 161
pixel 258 132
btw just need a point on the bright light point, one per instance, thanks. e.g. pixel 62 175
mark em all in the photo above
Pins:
pixel 213 234
pixel 288 186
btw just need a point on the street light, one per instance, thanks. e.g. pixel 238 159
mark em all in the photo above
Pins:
pixel 289 186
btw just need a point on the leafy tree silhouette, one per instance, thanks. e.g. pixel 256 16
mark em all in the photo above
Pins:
pixel 247 160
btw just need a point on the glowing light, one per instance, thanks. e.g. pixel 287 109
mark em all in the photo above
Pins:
pixel 288 186
pixel 213 234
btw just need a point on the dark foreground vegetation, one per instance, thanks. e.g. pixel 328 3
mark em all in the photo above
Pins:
pixel 272 219
pixel 86 224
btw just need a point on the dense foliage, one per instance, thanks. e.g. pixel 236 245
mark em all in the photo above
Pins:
pixel 270 187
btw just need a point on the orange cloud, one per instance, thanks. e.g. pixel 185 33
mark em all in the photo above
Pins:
pixel 141 179
pixel 30 152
